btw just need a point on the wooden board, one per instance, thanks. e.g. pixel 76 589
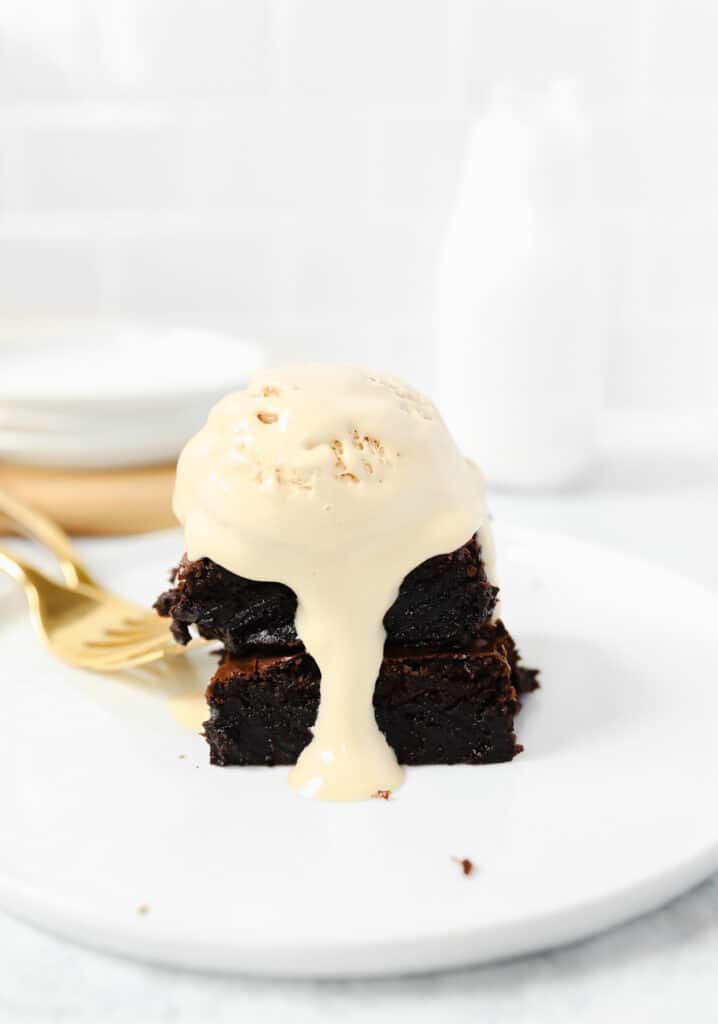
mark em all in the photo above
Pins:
pixel 117 501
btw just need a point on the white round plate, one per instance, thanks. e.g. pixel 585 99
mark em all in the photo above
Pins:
pixel 64 367
pixel 131 441
pixel 100 394
pixel 118 834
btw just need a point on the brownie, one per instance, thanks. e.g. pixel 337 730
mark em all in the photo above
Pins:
pixel 444 603
pixel 434 706
pixel 243 614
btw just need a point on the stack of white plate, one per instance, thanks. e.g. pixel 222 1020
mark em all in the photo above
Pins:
pixel 111 395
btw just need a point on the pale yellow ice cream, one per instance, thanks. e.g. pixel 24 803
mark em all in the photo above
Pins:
pixel 336 482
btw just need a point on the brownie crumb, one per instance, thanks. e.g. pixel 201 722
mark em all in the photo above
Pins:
pixel 467 866
pixel 143 909
pixel 381 794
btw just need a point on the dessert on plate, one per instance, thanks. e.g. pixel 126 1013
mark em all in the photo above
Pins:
pixel 338 545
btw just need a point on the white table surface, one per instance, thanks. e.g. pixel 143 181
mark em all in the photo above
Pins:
pixel 653 969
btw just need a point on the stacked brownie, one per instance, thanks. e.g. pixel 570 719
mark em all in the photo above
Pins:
pixel 448 687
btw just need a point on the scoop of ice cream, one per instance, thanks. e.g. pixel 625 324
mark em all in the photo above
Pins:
pixel 324 455
pixel 337 482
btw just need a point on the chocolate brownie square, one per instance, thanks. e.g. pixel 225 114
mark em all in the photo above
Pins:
pixel 434 707
pixel 442 603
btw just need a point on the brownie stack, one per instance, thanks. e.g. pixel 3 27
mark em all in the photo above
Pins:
pixel 448 688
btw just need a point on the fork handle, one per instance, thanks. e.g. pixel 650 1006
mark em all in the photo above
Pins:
pixel 21 571
pixel 38 527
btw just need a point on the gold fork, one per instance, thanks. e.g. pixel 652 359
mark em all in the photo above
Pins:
pixel 82 623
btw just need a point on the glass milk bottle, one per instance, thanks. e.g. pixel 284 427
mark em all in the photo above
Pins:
pixel 517 366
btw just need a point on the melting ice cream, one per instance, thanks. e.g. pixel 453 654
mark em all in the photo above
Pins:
pixel 336 482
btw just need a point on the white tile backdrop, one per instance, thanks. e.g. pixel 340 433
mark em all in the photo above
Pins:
pixel 284 167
